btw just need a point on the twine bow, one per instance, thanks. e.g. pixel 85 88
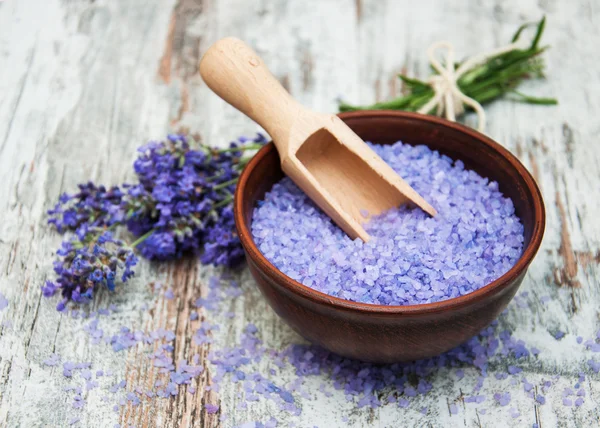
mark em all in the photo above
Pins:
pixel 448 98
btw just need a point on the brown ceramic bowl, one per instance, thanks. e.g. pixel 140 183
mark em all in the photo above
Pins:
pixel 395 333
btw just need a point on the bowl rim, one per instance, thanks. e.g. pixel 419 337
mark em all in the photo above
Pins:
pixel 474 297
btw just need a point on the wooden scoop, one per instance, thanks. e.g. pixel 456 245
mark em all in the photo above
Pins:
pixel 319 152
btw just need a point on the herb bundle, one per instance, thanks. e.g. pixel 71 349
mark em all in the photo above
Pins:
pixel 498 76
pixel 182 203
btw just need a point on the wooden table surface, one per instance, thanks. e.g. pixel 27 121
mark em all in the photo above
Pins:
pixel 83 83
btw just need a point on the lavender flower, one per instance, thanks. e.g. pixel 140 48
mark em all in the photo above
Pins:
pixel 183 200
pixel 89 261
pixel 182 203
pixel 93 206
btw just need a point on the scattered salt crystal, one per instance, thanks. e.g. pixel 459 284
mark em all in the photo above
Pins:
pixel 3 302
pixel 86 374
pixel 502 398
pixel 271 423
pixel 475 399
pixel 594 365
pixel 52 360
pixel 514 370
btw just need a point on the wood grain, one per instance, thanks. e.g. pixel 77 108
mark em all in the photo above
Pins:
pixel 83 83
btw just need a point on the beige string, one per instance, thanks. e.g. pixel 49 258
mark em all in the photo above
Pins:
pixel 448 97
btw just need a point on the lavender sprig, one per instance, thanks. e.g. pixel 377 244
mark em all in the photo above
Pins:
pixel 183 199
pixel 92 259
pixel 182 203
pixel 92 205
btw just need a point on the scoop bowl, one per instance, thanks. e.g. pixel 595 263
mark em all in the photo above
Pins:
pixel 386 334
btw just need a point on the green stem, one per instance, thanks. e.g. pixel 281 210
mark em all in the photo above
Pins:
pixel 535 100
pixel 222 203
pixel 242 163
pixel 141 238
pixel 225 184
pixel 241 148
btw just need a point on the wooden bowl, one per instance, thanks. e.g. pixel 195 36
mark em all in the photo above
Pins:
pixel 380 333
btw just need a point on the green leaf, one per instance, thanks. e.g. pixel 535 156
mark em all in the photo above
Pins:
pixel 534 100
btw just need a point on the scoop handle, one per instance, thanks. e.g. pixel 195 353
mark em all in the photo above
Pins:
pixel 237 74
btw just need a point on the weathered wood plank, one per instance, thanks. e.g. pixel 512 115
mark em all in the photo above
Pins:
pixel 89 81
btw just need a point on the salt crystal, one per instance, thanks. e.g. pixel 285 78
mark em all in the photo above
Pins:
pixel 304 244
pixel 3 302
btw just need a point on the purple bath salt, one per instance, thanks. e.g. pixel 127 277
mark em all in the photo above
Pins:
pixel 514 370
pixel 3 302
pixel 412 258
pixel 475 399
pixel 594 365
pixel 52 360
pixel 211 408
pixel 502 398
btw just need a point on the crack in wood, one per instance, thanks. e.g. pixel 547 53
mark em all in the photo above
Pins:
pixel 569 142
pixel 538 420
pixel 378 94
pixel 393 85
pixel 539 143
pixel 519 148
pixel 184 107
pixel 306 67
pixel 535 171
pixel 587 258
pixel 164 68
pixel 12 257
pixel 359 10
pixel 181 53
pixel 567 275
